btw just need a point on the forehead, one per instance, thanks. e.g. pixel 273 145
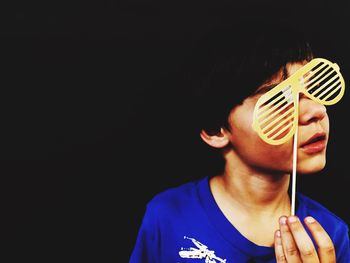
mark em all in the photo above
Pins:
pixel 282 74
pixel 293 67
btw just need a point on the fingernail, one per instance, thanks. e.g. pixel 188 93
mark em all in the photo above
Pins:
pixel 283 220
pixel 278 233
pixel 310 219
pixel 292 219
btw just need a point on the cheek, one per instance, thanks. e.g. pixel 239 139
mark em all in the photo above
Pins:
pixel 255 152
pixel 270 157
pixel 325 123
pixel 252 149
pixel 274 156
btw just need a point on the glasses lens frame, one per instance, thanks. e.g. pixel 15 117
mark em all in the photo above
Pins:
pixel 327 82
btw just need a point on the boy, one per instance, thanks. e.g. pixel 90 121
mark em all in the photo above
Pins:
pixel 243 213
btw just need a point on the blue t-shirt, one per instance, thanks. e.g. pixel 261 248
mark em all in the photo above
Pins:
pixel 184 224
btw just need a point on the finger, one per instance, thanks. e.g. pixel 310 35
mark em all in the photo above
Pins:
pixel 326 251
pixel 304 243
pixel 289 247
pixel 280 258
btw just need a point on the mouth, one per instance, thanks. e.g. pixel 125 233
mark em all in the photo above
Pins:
pixel 315 143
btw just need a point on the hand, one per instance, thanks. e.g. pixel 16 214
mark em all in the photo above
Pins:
pixel 293 244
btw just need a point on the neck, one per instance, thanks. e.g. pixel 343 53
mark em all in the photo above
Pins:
pixel 252 191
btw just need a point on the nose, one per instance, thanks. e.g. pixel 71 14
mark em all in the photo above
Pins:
pixel 310 111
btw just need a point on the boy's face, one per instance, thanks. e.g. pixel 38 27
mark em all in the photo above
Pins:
pixel 313 123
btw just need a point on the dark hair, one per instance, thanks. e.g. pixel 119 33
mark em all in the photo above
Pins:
pixel 232 62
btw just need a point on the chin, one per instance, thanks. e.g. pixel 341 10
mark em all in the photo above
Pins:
pixel 312 166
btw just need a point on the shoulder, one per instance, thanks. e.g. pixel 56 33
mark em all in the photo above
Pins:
pixel 175 196
pixel 175 199
pixel 327 218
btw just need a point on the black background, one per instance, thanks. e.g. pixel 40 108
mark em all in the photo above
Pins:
pixel 96 119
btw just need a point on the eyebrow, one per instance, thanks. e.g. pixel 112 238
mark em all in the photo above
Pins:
pixel 265 89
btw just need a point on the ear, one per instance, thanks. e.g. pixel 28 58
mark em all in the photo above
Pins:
pixel 219 140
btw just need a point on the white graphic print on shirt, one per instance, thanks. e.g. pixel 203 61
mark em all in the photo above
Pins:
pixel 200 252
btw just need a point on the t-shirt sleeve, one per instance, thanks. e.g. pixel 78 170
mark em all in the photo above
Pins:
pixel 147 239
pixel 342 244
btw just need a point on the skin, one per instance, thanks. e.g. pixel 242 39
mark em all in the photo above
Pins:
pixel 254 184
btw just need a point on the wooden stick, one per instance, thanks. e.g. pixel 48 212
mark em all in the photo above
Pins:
pixel 294 171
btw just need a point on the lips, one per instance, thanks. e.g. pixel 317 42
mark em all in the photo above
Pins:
pixel 315 144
